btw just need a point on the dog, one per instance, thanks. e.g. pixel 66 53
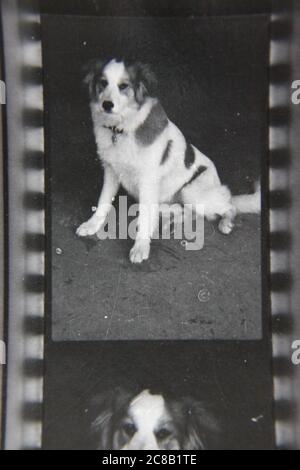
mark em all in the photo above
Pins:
pixel 146 153
pixel 150 421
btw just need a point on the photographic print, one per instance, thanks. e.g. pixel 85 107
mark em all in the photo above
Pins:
pixel 148 262
pixel 158 396
pixel 156 146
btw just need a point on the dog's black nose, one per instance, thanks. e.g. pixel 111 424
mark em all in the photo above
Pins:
pixel 107 105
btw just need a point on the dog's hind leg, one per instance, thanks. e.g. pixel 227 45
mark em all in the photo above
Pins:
pixel 226 223
pixel 211 202
pixel 244 204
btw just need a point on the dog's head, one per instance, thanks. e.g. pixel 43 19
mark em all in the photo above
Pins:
pixel 117 88
pixel 151 422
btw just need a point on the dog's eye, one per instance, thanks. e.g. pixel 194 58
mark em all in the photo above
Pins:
pixel 129 429
pixel 163 434
pixel 103 83
pixel 123 86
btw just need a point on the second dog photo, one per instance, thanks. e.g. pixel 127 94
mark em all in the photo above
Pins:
pixel 156 144
pixel 148 395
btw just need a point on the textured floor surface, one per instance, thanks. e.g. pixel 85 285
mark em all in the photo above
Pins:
pixel 177 294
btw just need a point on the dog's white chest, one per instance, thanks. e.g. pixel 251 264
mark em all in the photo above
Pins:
pixel 120 151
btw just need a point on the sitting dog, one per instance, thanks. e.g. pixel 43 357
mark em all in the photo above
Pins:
pixel 144 151
pixel 147 421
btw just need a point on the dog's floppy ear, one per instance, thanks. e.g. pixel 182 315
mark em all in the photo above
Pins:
pixel 146 75
pixel 196 425
pixel 144 80
pixel 200 426
pixel 92 72
pixel 107 409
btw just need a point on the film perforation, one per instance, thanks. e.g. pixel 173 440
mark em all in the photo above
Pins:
pixel 280 240
pixel 280 281
pixel 281 29
pixel 34 201
pixel 32 412
pixel 285 410
pixel 33 368
pixel 35 283
pixel 280 116
pixel 282 367
pixel 282 324
pixel 280 74
pixel 34 325
pixel 280 199
pixel 280 158
pixel 33 118
pixel 34 160
pixel 32 75
pixel 34 242
pixel 30 31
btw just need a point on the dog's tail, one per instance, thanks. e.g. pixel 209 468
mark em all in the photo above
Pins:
pixel 248 203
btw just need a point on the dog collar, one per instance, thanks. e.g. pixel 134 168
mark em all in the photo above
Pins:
pixel 115 133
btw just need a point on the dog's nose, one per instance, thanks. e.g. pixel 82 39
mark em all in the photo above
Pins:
pixel 107 105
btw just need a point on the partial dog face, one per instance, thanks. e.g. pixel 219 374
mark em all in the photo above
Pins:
pixel 147 425
pixel 117 89
pixel 149 422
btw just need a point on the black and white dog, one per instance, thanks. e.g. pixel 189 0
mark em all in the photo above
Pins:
pixel 144 151
pixel 150 421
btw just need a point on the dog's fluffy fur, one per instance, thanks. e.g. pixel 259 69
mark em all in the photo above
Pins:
pixel 144 151
pixel 149 421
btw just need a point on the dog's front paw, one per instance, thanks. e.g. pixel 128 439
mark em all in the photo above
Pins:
pixel 140 251
pixel 90 227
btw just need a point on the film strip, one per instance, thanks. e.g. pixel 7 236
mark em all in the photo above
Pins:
pixel 280 237
pixel 24 401
pixel 34 204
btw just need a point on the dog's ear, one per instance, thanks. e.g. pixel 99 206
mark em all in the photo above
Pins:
pixel 201 428
pixel 144 80
pixel 146 75
pixel 106 411
pixel 92 72
pixel 197 428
